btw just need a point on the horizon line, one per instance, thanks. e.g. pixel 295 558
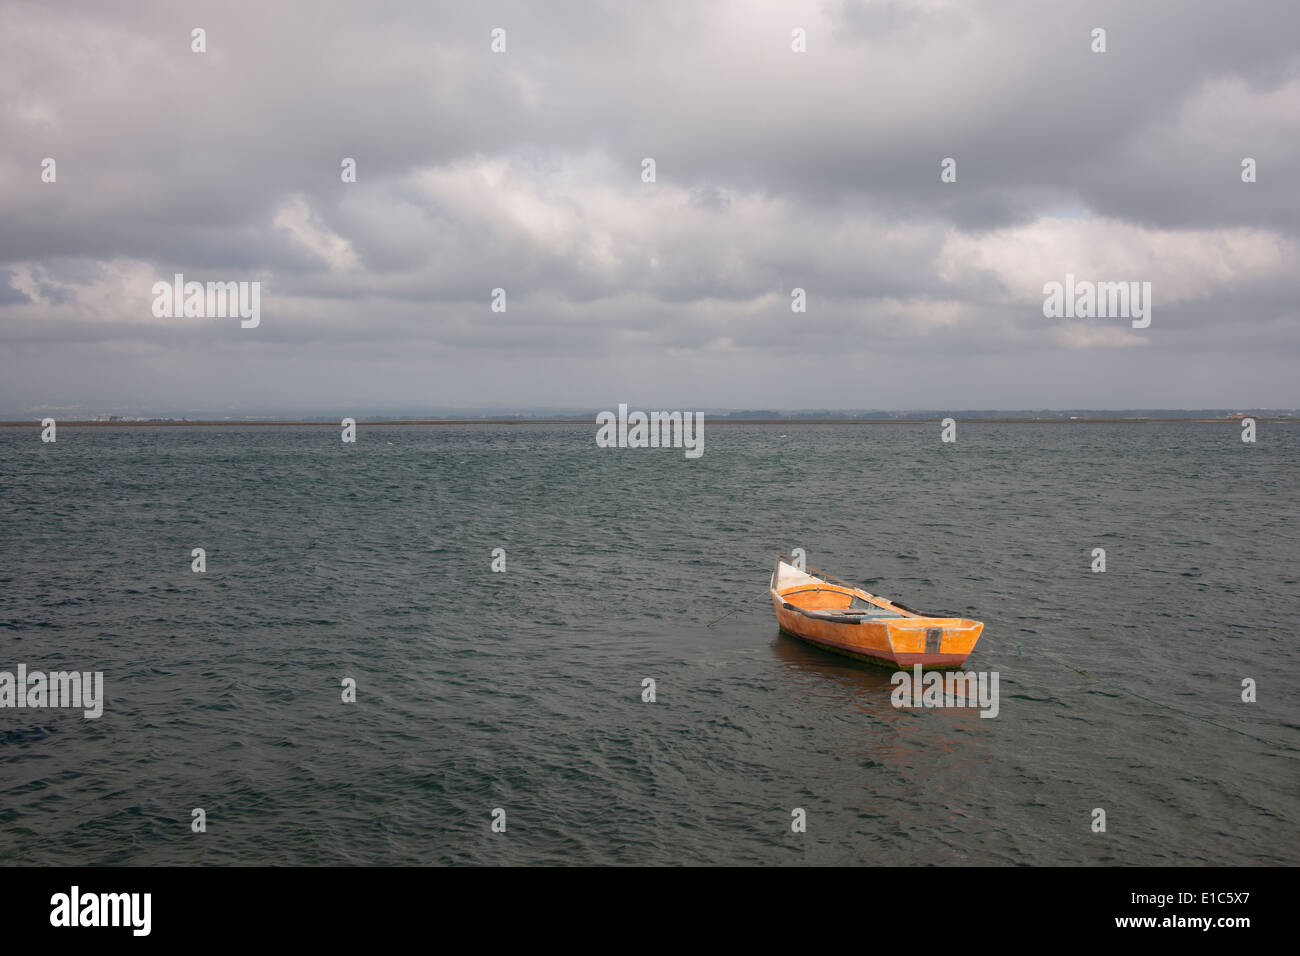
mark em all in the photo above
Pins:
pixel 330 423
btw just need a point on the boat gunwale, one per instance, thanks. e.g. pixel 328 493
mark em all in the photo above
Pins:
pixel 831 582
pixel 837 582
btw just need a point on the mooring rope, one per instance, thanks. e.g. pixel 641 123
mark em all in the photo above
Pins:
pixel 725 616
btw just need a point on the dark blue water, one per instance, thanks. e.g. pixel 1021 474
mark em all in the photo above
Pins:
pixel 522 690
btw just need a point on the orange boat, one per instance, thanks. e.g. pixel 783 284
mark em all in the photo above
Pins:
pixel 834 615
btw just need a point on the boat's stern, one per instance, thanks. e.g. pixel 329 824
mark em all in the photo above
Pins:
pixel 933 641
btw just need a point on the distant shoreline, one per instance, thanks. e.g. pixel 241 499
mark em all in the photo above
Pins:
pixel 163 423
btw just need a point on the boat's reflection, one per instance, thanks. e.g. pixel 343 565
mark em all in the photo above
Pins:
pixel 914 742
pixel 830 674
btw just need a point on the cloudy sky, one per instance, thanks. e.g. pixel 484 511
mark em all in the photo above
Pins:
pixel 522 170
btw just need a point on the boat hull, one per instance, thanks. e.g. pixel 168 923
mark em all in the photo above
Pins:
pixel 880 658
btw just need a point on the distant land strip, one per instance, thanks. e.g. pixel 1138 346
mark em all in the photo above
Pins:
pixel 258 423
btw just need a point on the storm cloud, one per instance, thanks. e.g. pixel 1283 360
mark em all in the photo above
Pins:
pixel 522 170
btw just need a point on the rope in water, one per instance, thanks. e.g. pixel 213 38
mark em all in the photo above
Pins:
pixel 725 616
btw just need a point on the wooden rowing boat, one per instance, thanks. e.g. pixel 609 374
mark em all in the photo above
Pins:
pixel 834 615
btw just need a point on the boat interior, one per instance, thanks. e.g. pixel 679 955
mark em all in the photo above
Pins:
pixel 843 602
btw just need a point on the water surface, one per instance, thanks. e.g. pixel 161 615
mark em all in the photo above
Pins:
pixel 522 689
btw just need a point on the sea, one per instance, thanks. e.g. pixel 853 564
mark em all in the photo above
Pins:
pixel 500 644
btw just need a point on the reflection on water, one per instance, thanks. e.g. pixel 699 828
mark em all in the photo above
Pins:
pixel 905 740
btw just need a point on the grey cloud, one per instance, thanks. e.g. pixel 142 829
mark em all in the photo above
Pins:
pixel 818 170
